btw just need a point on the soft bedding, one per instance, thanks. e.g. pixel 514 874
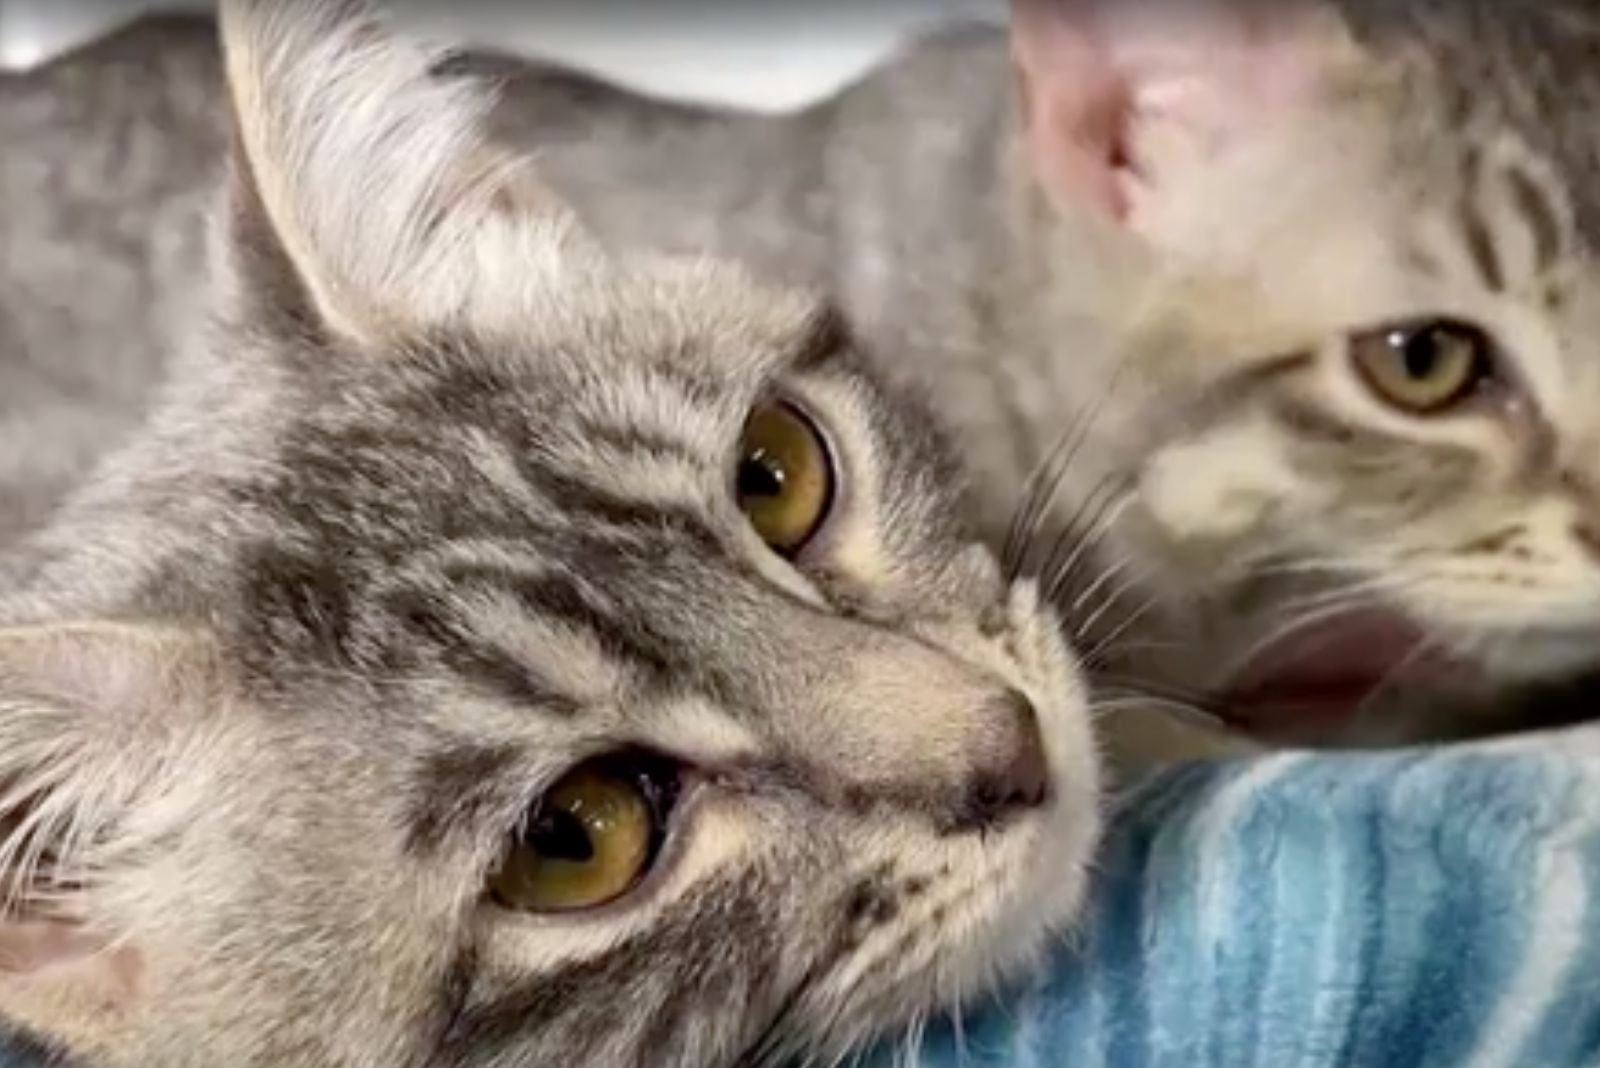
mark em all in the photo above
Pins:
pixel 1416 910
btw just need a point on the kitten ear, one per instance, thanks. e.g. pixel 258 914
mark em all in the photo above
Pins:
pixel 88 717
pixel 366 172
pixel 1123 99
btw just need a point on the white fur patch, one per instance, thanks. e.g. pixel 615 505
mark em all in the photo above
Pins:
pixel 1217 487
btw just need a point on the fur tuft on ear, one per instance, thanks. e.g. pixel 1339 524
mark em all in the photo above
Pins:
pixel 1121 98
pixel 93 722
pixel 372 170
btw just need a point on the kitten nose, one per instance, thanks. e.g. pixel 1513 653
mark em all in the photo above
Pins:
pixel 1021 781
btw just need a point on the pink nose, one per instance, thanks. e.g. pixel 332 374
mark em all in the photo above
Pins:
pixel 1020 782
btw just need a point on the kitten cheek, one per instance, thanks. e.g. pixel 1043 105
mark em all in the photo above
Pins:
pixel 1213 491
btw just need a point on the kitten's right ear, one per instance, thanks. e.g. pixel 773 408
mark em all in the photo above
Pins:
pixel 365 188
pixel 1122 100
pixel 100 729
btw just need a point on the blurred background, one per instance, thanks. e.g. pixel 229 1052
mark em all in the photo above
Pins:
pixel 751 53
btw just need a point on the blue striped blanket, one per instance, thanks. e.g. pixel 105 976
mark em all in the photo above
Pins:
pixel 1413 910
pixel 1410 910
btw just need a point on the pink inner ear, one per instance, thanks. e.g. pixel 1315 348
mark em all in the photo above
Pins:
pixel 33 945
pixel 63 952
pixel 1095 73
pixel 1222 65
pixel 1075 103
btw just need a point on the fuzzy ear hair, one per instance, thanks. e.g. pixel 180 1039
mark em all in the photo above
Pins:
pixel 1119 97
pixel 88 718
pixel 369 170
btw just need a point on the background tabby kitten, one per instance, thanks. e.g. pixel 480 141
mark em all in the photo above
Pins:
pixel 489 652
pixel 1296 301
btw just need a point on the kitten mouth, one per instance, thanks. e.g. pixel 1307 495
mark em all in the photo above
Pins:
pixel 1315 681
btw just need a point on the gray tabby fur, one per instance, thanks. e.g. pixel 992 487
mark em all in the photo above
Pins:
pixel 435 504
pixel 1236 482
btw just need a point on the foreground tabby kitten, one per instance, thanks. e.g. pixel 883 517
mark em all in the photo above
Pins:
pixel 491 653
pixel 1307 289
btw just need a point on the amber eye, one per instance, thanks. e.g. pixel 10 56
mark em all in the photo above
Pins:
pixel 590 840
pixel 785 479
pixel 1424 368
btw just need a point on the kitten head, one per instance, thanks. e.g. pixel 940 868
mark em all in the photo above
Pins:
pixel 1361 242
pixel 495 654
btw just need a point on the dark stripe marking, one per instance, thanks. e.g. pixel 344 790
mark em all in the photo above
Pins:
pixel 454 792
pixel 1481 246
pixel 484 664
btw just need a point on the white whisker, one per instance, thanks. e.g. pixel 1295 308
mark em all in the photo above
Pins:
pixel 1112 601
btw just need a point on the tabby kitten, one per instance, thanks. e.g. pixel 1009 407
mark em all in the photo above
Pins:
pixel 494 653
pixel 1295 301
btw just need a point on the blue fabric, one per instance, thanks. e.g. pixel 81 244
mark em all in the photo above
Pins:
pixel 1410 910
pixel 1404 910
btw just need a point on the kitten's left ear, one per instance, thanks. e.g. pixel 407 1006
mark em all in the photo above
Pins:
pixel 365 177
pixel 1123 99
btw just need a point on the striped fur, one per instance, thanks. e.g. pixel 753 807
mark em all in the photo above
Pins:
pixel 438 507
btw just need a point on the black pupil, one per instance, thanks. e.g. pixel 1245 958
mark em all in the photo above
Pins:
pixel 1424 350
pixel 1421 353
pixel 760 476
pixel 561 836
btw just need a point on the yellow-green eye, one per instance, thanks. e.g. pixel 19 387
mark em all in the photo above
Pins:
pixel 591 840
pixel 1424 368
pixel 785 480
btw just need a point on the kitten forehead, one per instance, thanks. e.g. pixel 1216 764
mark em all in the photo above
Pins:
pixel 708 316
pixel 1525 68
